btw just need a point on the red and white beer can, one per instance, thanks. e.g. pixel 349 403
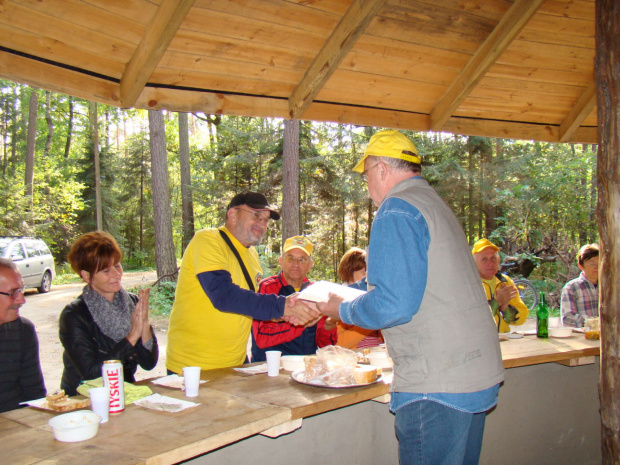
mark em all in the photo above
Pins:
pixel 112 374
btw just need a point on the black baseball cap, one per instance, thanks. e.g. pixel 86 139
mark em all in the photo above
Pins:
pixel 253 200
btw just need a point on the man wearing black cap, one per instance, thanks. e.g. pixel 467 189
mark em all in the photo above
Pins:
pixel 215 299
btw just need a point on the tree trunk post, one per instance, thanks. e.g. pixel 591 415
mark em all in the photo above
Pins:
pixel 30 147
pixel 607 71
pixel 165 256
pixel 290 180
pixel 94 127
pixel 187 204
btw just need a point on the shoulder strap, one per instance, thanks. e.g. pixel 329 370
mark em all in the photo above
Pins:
pixel 243 268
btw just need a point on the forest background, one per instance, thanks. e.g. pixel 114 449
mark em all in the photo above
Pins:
pixel 177 172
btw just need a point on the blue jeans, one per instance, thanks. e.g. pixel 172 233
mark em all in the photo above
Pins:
pixel 429 433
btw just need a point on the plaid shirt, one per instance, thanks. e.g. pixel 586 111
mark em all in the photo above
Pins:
pixel 579 300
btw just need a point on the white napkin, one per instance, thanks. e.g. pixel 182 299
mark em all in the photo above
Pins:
pixel 173 381
pixel 38 403
pixel 164 403
pixel 255 370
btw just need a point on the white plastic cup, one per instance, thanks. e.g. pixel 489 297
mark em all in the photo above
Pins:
pixel 191 377
pixel 273 362
pixel 100 402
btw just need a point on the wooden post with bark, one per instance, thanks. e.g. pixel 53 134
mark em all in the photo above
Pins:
pixel 187 204
pixel 94 127
pixel 607 70
pixel 290 180
pixel 30 147
pixel 165 256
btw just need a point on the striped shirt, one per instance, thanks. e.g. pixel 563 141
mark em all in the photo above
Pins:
pixel 579 300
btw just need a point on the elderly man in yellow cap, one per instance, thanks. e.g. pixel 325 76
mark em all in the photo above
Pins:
pixel 424 295
pixel 295 262
pixel 501 291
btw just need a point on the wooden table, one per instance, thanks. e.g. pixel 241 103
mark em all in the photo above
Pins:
pixel 233 406
pixel 530 350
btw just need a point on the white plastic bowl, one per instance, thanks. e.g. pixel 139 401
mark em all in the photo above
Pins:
pixel 75 426
pixel 292 362
pixel 380 359
pixel 560 331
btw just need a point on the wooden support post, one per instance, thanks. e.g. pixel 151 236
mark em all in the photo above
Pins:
pixel 607 19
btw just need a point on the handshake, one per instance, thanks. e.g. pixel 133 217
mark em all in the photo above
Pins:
pixel 305 313
pixel 298 312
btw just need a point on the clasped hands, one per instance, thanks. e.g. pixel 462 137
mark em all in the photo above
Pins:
pixel 303 313
pixel 140 326
pixel 503 296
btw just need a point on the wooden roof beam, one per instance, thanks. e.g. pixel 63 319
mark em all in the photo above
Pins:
pixel 341 40
pixel 155 41
pixel 578 113
pixel 498 41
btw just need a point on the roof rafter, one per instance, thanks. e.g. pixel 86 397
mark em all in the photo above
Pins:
pixel 498 41
pixel 155 41
pixel 341 40
pixel 578 113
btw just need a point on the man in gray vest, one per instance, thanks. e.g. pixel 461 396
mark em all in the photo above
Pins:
pixel 424 294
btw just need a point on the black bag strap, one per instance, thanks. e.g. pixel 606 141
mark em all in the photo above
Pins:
pixel 243 268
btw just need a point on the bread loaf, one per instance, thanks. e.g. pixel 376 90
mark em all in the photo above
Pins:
pixel 67 404
pixel 365 374
pixel 56 395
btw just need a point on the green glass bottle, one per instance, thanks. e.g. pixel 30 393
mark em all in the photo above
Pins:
pixel 542 317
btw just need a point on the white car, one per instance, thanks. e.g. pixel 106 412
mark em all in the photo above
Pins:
pixel 32 257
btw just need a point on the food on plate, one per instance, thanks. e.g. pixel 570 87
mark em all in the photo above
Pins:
pixel 365 374
pixel 336 366
pixel 59 402
pixel 59 394
pixel 68 404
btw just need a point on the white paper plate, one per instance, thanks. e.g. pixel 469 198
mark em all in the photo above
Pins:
pixel 164 403
pixel 300 377
pixel 173 381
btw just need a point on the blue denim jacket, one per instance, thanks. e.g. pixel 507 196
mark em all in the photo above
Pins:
pixel 397 267
pixel 399 280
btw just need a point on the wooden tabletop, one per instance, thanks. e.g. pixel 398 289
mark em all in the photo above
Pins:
pixel 531 350
pixel 232 406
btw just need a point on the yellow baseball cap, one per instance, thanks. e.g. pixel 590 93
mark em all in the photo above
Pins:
pixel 298 242
pixel 390 143
pixel 483 244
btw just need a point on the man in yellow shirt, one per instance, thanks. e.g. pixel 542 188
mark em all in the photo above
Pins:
pixel 501 292
pixel 215 299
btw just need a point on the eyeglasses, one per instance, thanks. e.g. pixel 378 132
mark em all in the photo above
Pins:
pixel 301 260
pixel 13 294
pixel 257 216
pixel 365 172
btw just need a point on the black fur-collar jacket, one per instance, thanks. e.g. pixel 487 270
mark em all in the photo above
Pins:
pixel 86 348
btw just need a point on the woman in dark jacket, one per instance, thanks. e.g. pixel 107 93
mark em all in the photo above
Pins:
pixel 105 322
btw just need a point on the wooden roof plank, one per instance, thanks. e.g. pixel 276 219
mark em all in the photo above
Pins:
pixel 578 113
pixel 57 79
pixel 342 39
pixel 242 105
pixel 155 40
pixel 501 37
pixel 60 52
pixel 73 35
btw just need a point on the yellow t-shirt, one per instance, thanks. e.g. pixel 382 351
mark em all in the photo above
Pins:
pixel 199 334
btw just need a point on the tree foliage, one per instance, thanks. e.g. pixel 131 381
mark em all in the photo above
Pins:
pixel 523 195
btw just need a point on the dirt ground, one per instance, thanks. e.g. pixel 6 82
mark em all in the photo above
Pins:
pixel 44 309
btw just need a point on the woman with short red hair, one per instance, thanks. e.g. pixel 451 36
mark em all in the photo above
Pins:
pixel 105 322
pixel 352 271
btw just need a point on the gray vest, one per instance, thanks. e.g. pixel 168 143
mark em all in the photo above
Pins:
pixel 451 345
